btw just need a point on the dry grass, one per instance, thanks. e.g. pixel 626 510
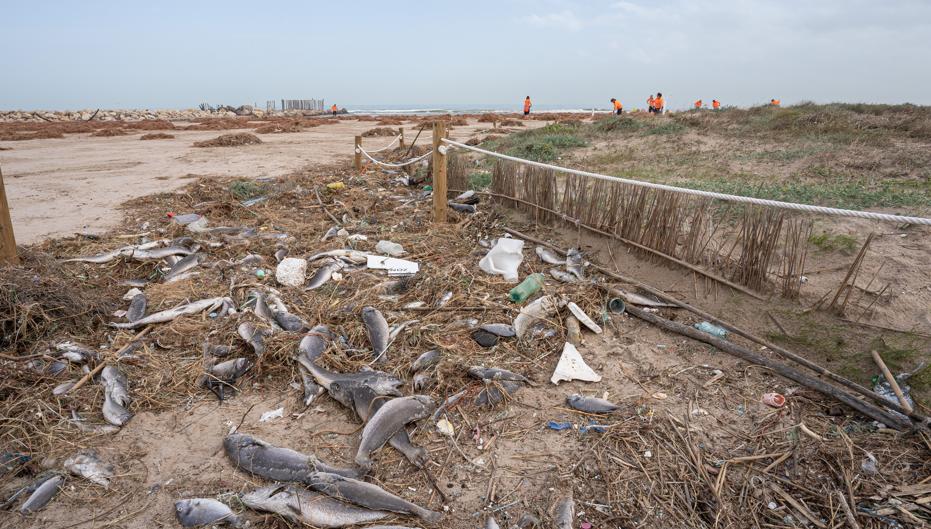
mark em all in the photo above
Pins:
pixel 107 133
pixel 230 140
pixel 380 131
pixel 279 128
pixel 157 136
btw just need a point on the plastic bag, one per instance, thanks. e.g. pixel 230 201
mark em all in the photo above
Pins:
pixel 504 259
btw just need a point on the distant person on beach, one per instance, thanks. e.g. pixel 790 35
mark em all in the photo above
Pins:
pixel 618 107
pixel 658 103
pixel 775 102
pixel 650 101
pixel 715 104
pixel 698 104
pixel 334 109
pixel 527 105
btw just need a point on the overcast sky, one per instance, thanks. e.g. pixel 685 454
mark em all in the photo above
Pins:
pixel 176 54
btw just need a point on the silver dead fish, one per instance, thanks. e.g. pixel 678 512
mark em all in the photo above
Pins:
pixel 381 382
pixel 574 263
pixel 563 277
pixel 499 329
pixel 311 508
pixel 492 394
pixel 426 360
pixel 184 265
pixel 387 421
pixel 330 233
pixel 422 381
pixel 42 495
pixel 254 336
pixel 116 396
pixel 494 373
pixel 315 343
pixel 280 254
pixel 311 389
pixel 377 328
pixel 271 462
pixel 89 466
pixel 590 404
pixel 369 496
pixel 351 256
pixel 137 308
pixel 290 322
pixel 76 353
pixel 324 273
pixel 196 512
pixel 549 256
pixel 171 314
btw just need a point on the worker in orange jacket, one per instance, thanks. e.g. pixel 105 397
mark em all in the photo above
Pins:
pixel 698 104
pixel 527 105
pixel 650 103
pixel 658 103
pixel 334 109
pixel 775 102
pixel 715 104
pixel 618 107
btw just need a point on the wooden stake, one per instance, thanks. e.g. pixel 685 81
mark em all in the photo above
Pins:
pixel 891 380
pixel 357 151
pixel 7 240
pixel 401 142
pixel 439 172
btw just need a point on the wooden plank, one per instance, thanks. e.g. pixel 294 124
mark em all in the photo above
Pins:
pixel 7 240
pixel 891 380
pixel 439 172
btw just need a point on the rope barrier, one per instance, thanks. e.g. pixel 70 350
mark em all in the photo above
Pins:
pixel 709 194
pixel 386 164
pixel 386 147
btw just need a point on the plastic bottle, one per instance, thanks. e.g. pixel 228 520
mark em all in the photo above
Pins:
pixel 713 330
pixel 527 288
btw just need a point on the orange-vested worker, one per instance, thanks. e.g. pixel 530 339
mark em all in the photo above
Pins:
pixel 698 104
pixel 775 102
pixel 715 104
pixel 334 109
pixel 618 107
pixel 650 101
pixel 658 103
pixel 527 105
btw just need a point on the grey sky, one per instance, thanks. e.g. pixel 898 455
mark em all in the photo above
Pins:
pixel 104 53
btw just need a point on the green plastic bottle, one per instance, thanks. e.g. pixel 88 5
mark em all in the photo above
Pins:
pixel 527 288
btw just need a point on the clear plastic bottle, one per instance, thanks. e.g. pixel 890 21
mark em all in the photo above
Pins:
pixel 527 288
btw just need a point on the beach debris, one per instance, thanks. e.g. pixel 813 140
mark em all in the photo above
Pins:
pixel 773 400
pixel 330 233
pixel 450 401
pixel 564 512
pixel 380 382
pixel 504 259
pixel 491 523
pixel 377 329
pixel 528 287
pixel 76 353
pixel 444 299
pixel 276 463
pixel 590 404
pixel 63 388
pixel 445 427
pixel 571 366
pixel 89 466
pixel 368 495
pixel 494 373
pixel 573 331
pixel 43 493
pixel 583 318
pixel 215 350
pixel 291 272
pixel 616 306
pixel 562 277
pixel 574 263
pixel 137 306
pixel 485 338
pixel 642 301
pixel 387 421
pixel 324 273
pixel 196 512
pixel 541 308
pixel 549 256
pixel 290 322
pixel 425 361
pixel 390 248
pixel 254 336
pixel 422 381
pixel 208 304
pixel 131 293
pixel 271 415
pixel 462 208
pixel 714 330
pixel 280 254
pixel 559 425
pixel 116 396
pixel 467 197
pixel 180 269
pixel 528 520
pixel 502 330
pixel 299 505
pixel 395 267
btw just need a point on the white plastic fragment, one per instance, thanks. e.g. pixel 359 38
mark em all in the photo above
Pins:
pixel 131 293
pixel 583 318
pixel 571 366
pixel 541 308
pixel 504 259
pixel 356 237
pixel 394 266
pixel 272 414
pixel 445 427
pixel 390 248
pixel 291 272
pixel 198 226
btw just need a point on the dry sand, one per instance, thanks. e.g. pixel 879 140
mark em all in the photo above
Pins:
pixel 57 187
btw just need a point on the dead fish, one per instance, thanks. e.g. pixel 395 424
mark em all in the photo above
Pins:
pixel 381 382
pixel 324 273
pixel 499 329
pixel 103 257
pixel 250 260
pixel 484 338
pixel 448 403
pixel 97 429
pixel 260 307
pixel 365 402
pixel 230 370
pixel 563 277
pixel 494 373
pixel 462 208
pixel 528 520
pixel 643 301
pixel 196 512
pixel 575 263
pixel 182 266
pixel 299 505
pixel 280 254
pixel 137 307
pixel 171 260
pixel 272 462
pixel 42 495
pixel 290 322
pixel 314 343
pixel 426 360
pixel 368 495
pixel 564 514
pixel 218 351
pixel 590 404
pixel 135 283
pixel 89 466
pixel 311 389
pixel 76 353
pixel 352 256
pixel 491 523
pixel 53 368
pixel 422 381
pixel 387 421
pixel 445 299
pixel 549 256
pixel 171 314
pixel 140 254
pixel 116 396
pixel 377 328
pixel 397 329
pixel 63 388
pixel 330 233
pixel 491 395
pixel 253 336
pixel 467 197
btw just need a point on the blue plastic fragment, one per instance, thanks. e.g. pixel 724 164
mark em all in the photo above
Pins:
pixel 556 425
pixel 593 427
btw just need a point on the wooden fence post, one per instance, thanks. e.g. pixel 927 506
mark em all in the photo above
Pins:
pixel 357 161
pixel 7 241
pixel 401 142
pixel 439 171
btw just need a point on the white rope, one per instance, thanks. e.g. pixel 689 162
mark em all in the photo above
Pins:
pixel 386 147
pixel 710 194
pixel 386 164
